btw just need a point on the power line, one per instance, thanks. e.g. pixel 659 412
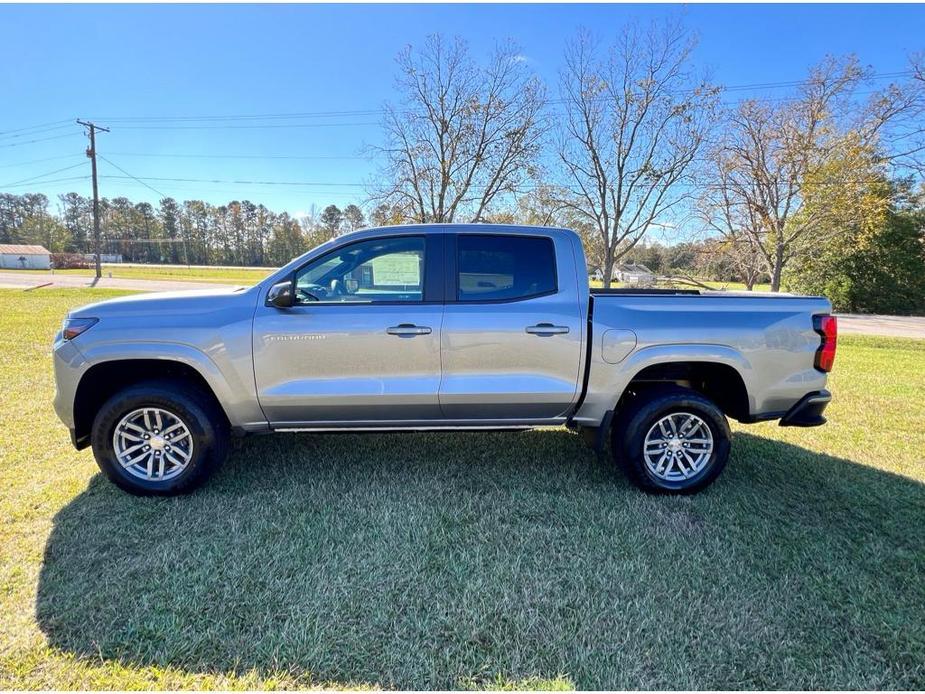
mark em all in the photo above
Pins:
pixel 233 182
pixel 235 191
pixel 374 112
pixel 54 180
pixel 34 132
pixel 43 139
pixel 127 174
pixel 39 161
pixel 32 127
pixel 523 189
pixel 273 126
pixel 216 121
pixel 235 156
pixel 264 116
pixel 245 127
pixel 33 178
pixel 58 124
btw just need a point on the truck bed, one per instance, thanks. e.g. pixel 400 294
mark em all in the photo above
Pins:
pixel 768 340
pixel 599 291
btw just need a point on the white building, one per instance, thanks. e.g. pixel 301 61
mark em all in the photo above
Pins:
pixel 635 273
pixel 15 256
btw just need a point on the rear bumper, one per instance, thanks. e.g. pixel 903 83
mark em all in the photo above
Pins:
pixel 808 411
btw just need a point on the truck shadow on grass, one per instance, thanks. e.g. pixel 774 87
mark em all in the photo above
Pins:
pixel 440 560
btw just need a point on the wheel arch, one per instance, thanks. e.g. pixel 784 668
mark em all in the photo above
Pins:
pixel 103 379
pixel 717 380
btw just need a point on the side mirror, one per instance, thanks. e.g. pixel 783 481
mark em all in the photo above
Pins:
pixel 280 295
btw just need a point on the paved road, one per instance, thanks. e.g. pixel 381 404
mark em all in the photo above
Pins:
pixel 24 280
pixel 891 326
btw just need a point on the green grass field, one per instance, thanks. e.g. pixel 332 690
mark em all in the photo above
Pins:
pixel 468 560
pixel 248 276
pixel 232 275
pixel 737 286
pixel 728 286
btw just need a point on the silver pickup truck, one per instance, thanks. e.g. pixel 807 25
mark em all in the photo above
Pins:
pixel 438 327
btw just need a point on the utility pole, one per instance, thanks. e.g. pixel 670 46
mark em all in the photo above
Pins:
pixel 91 154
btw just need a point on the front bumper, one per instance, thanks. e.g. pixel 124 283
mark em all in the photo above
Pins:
pixel 69 366
pixel 808 411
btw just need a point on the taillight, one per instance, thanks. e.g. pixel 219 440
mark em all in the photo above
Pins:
pixel 827 327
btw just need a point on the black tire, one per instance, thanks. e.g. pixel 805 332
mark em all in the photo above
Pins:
pixel 198 411
pixel 643 412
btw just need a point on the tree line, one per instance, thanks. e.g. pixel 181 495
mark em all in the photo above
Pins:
pixel 819 189
pixel 189 232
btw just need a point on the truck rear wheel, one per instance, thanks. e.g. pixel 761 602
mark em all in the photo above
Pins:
pixel 159 438
pixel 671 440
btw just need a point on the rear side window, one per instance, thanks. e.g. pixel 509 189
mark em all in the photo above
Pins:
pixel 504 268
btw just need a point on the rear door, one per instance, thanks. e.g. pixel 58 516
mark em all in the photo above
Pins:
pixel 362 343
pixel 512 328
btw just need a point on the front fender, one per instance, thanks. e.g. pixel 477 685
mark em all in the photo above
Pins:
pixel 235 395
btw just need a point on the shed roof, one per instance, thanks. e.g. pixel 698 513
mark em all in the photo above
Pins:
pixel 23 249
pixel 634 267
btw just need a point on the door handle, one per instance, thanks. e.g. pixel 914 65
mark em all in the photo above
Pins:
pixel 408 329
pixel 547 329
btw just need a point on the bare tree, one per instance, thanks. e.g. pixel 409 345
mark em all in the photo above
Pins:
pixel 739 253
pixel 464 136
pixel 734 226
pixel 635 120
pixel 774 154
pixel 899 110
pixel 550 205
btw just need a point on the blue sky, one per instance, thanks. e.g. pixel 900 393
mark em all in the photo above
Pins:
pixel 114 63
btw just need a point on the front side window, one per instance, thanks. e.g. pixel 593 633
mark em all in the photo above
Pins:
pixel 504 268
pixel 374 271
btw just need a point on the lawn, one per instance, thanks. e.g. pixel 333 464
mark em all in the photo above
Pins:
pixel 737 286
pixel 473 560
pixel 232 275
pixel 727 286
pixel 248 276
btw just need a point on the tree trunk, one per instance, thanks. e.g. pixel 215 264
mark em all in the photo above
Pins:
pixel 778 268
pixel 608 270
pixel 751 276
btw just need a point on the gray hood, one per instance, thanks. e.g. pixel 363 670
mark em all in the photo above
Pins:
pixel 193 301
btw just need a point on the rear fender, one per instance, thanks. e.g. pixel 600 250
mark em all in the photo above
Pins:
pixel 607 386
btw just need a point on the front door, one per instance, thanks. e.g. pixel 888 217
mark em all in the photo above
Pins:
pixel 362 343
pixel 512 337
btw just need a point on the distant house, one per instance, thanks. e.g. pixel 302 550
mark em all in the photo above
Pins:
pixel 634 273
pixel 21 257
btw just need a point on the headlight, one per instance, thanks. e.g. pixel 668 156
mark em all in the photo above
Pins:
pixel 75 326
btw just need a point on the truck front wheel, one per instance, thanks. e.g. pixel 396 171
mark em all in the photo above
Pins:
pixel 670 440
pixel 159 438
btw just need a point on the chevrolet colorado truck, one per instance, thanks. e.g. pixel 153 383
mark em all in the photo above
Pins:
pixel 437 326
